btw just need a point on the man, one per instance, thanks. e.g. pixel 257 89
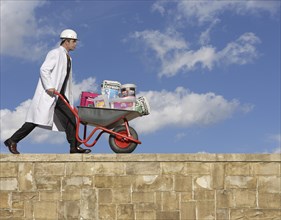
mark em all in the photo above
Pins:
pixel 47 110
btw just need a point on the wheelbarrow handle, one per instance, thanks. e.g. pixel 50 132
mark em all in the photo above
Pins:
pixel 72 109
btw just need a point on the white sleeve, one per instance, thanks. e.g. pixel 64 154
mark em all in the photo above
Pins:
pixel 47 68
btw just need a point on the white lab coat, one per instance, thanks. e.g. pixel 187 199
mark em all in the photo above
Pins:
pixel 52 75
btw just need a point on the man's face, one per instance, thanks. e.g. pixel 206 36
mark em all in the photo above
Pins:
pixel 71 44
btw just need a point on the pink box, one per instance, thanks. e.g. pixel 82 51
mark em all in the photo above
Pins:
pixel 126 103
pixel 87 99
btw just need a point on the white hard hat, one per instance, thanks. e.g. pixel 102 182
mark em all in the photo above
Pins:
pixel 68 34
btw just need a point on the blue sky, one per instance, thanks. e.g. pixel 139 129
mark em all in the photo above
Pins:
pixel 210 70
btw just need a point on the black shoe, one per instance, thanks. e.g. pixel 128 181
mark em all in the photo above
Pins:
pixel 12 146
pixel 79 150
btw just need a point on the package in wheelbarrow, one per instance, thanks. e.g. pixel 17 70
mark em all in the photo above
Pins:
pixel 110 88
pixel 87 99
pixel 142 106
pixel 125 103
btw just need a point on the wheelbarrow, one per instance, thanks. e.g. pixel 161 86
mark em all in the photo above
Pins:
pixel 115 122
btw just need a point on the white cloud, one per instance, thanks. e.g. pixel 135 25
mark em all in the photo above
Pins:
pixel 12 120
pixel 201 12
pixel 241 51
pixel 162 44
pixel 175 55
pixel 21 31
pixel 205 38
pixel 182 108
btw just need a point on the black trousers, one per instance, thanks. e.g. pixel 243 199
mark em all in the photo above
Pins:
pixel 66 118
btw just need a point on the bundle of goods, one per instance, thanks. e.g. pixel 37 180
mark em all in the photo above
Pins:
pixel 87 99
pixel 142 106
pixel 116 96
pixel 110 88
pixel 128 90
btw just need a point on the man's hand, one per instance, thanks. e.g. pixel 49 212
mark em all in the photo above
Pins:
pixel 51 91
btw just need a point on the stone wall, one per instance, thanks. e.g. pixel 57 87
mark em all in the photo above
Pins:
pixel 140 186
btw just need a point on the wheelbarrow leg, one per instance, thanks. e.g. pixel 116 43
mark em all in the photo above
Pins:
pixel 85 131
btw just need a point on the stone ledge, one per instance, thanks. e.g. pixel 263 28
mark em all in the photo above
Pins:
pixel 141 157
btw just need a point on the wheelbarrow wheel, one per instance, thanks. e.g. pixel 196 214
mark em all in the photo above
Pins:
pixel 118 144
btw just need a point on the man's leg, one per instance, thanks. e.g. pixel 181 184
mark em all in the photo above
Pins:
pixel 20 134
pixel 68 121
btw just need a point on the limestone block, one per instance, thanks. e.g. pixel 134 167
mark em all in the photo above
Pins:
pixel 99 157
pixel 186 196
pixel 8 184
pixel 225 199
pixel 206 210
pixel 266 169
pixel 188 210
pixel 109 168
pixel 203 182
pixel 140 168
pixel 153 183
pixel 136 157
pixel 125 211
pixel 170 201
pixel 28 157
pixel 222 214
pixel 48 183
pixel 186 157
pixel 107 212
pixel 143 197
pixel 88 204
pixel 26 177
pixel 45 210
pixel 238 169
pixel 218 174
pixel 80 169
pixel 104 195
pixel 198 168
pixel 47 169
pixel 175 215
pixel 178 168
pixel 113 181
pixel 245 198
pixel 141 215
pixel 8 169
pixel 49 195
pixel 71 194
pixel 28 209
pixel 11 214
pixel 246 182
pixel 204 195
pixel 121 196
pixel 72 182
pixel 183 183
pixel 269 184
pixel 68 210
pixel 158 202
pixel 269 200
pixel 18 205
pixel 259 214
pixel 151 206
pixel 5 200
